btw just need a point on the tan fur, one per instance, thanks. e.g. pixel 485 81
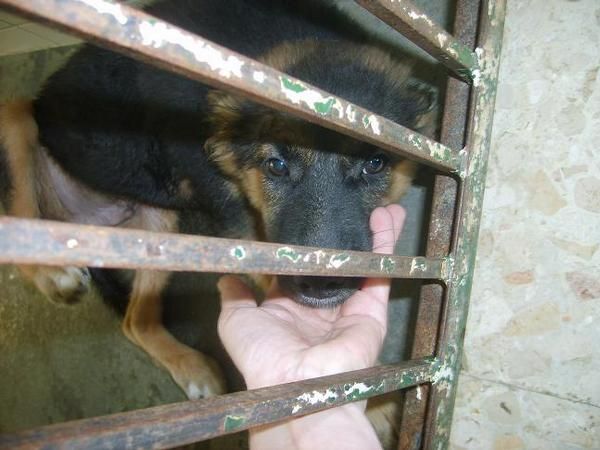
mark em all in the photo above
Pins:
pixel 384 414
pixel 226 108
pixel 194 372
pixel 227 111
pixel 253 187
pixel 19 138
pixel 185 189
pixel 287 54
pixel 19 135
pixel 402 175
pixel 32 187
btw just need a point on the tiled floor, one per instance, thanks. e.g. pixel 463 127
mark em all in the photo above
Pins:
pixel 532 362
pixel 18 35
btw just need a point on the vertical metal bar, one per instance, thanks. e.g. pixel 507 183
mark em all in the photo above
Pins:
pixel 440 231
pixel 443 390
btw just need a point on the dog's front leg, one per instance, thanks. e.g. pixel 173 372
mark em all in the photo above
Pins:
pixel 19 142
pixel 197 374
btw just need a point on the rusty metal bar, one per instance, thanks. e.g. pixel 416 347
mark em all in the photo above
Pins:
pixel 26 241
pixel 135 33
pixel 409 20
pixel 183 423
pixel 450 346
pixel 440 232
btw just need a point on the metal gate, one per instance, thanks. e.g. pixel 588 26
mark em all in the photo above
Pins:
pixel 460 159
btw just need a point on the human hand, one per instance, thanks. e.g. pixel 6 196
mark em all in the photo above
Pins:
pixel 282 341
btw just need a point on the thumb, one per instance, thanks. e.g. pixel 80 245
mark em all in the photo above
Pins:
pixel 234 294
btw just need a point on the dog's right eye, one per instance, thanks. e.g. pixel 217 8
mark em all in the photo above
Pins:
pixel 277 167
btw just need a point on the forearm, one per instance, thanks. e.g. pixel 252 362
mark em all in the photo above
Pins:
pixel 344 428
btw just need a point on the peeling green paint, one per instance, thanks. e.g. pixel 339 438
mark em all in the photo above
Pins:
pixel 324 107
pixel 387 264
pixel 372 122
pixel 233 422
pixel 463 54
pixel 418 264
pixel 238 252
pixel 338 260
pixel 288 253
pixel 436 150
pixel 291 85
pixel 361 391
pixel 465 73
pixel 298 93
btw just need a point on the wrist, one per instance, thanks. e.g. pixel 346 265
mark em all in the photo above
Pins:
pixel 345 427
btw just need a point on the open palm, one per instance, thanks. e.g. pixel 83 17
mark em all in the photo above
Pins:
pixel 282 341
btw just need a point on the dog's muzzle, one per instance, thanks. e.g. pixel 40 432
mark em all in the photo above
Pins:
pixel 319 292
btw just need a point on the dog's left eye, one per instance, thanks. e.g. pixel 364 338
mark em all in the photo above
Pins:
pixel 277 167
pixel 374 165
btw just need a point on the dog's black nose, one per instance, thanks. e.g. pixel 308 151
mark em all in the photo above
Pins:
pixel 319 287
pixel 319 292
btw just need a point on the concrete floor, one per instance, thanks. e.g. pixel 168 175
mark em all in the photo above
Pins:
pixel 61 363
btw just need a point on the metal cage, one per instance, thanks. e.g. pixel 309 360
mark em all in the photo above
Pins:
pixel 460 159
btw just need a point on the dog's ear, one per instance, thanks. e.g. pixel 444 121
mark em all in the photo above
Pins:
pixel 237 129
pixel 424 101
pixel 222 153
pixel 224 117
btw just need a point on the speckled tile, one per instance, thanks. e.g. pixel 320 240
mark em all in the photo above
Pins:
pixel 535 308
pixel 490 416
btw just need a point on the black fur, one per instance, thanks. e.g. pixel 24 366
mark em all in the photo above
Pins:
pixel 130 130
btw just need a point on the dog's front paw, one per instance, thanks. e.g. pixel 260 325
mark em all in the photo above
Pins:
pixel 65 285
pixel 198 375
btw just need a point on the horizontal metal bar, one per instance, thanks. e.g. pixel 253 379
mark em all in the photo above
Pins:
pixel 26 241
pixel 406 18
pixel 142 36
pixel 183 423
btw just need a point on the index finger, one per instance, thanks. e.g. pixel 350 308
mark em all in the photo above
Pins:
pixel 386 225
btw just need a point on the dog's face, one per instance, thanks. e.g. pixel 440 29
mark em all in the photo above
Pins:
pixel 311 186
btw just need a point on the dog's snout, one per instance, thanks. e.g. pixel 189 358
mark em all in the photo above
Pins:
pixel 319 292
pixel 319 287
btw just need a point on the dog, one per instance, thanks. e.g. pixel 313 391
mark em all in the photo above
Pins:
pixel 112 141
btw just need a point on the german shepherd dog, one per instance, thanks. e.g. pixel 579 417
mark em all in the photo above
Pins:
pixel 112 141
